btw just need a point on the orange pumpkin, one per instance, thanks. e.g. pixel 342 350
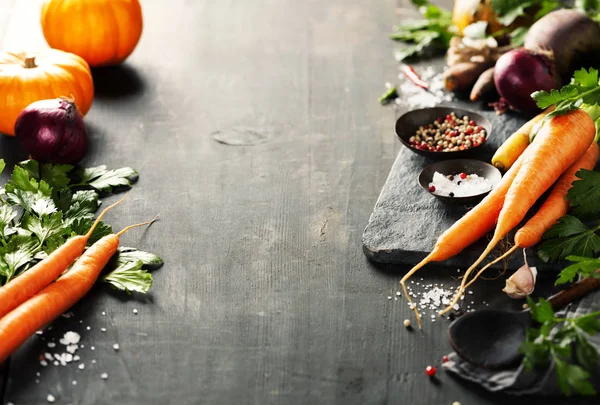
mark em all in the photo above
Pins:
pixel 29 77
pixel 103 32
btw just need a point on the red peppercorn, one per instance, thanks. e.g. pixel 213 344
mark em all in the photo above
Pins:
pixel 430 371
pixel 463 175
pixel 478 129
pixel 454 133
pixel 438 148
pixel 440 120
pixel 432 188
pixel 472 123
pixel 475 144
pixel 468 131
pixel 448 117
pixel 445 359
pixel 461 148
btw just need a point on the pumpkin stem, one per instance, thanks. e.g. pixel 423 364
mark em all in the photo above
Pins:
pixel 30 62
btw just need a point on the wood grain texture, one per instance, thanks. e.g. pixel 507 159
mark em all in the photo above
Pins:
pixel 265 296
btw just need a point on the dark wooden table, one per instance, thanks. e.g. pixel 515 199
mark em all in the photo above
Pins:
pixel 265 296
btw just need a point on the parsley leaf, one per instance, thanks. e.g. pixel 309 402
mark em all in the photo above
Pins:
pixel 584 194
pixel 542 311
pixel 130 277
pixel 584 88
pixel 56 175
pixel 569 236
pixel 389 95
pixel 81 226
pixel 105 180
pixel 149 260
pixel 45 226
pixel 584 266
pixel 509 10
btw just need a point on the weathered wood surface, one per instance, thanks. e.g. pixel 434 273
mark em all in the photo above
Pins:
pixel 265 296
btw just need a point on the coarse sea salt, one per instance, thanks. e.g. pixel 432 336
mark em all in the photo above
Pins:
pixel 459 187
pixel 413 96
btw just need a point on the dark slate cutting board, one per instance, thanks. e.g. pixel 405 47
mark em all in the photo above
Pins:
pixel 406 220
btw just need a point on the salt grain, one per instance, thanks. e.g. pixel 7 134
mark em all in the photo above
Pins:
pixel 103 329
pixel 104 376
pixel 116 346
pixel 51 344
pixel 81 366
pixel 74 382
pixel 70 338
pixel 135 311
pixel 43 363
pixel 50 398
pixel 93 348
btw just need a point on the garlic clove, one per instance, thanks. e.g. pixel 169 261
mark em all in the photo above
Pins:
pixel 522 282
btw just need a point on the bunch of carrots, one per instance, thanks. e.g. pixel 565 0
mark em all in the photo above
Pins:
pixel 37 297
pixel 564 145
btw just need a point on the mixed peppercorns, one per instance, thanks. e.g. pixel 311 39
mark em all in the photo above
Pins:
pixel 449 134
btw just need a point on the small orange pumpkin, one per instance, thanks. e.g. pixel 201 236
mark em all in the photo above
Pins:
pixel 103 32
pixel 29 77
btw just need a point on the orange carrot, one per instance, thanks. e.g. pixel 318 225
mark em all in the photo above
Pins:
pixel 559 144
pixel 26 285
pixel 467 230
pixel 555 206
pixel 41 309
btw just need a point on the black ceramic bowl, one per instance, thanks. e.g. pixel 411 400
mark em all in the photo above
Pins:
pixel 456 166
pixel 408 124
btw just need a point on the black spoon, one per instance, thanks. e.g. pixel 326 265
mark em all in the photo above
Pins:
pixel 491 338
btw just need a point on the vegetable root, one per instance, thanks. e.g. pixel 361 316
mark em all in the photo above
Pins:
pixel 35 313
pixel 23 287
pixel 483 85
pixel 460 77
pixel 543 163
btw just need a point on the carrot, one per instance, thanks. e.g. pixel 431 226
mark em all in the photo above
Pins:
pixel 35 313
pixel 515 144
pixel 559 144
pixel 25 286
pixel 467 230
pixel 555 206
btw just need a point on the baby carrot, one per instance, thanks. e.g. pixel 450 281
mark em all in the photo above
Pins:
pixel 35 313
pixel 26 285
pixel 559 144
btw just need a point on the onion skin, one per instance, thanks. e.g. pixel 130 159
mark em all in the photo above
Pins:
pixel 52 131
pixel 519 73
pixel 570 34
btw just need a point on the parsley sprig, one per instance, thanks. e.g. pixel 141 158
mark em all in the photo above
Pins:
pixel 564 342
pixel 42 205
pixel 433 31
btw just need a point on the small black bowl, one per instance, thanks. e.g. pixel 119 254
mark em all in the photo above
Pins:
pixel 408 124
pixel 456 166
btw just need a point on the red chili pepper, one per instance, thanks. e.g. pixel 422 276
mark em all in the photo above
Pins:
pixel 410 73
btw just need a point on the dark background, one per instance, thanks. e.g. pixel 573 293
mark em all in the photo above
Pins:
pixel 265 296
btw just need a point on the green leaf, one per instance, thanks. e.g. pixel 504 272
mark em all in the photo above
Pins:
pixel 583 266
pixel 43 206
pixel 56 175
pixel 82 226
pixel 541 311
pixel 509 10
pixel 88 174
pixel 544 99
pixel 19 253
pixel 7 214
pixel 2 165
pixel 585 354
pixel 587 6
pixel 20 180
pixel 578 379
pixel 584 194
pixel 128 254
pixel 569 236
pixel 517 36
pixel 412 50
pixel 84 205
pixel 562 370
pixel 122 177
pixel 589 323
pixel 586 78
pixel 24 199
pixel 130 277
pixel 389 95
pixel 44 226
pixel 62 198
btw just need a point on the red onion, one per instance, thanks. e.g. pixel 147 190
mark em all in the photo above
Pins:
pixel 520 72
pixel 52 131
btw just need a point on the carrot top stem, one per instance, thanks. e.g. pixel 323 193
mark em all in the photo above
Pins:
pixel 136 225
pixel 104 211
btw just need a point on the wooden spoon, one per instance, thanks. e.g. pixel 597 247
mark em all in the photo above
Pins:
pixel 491 338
